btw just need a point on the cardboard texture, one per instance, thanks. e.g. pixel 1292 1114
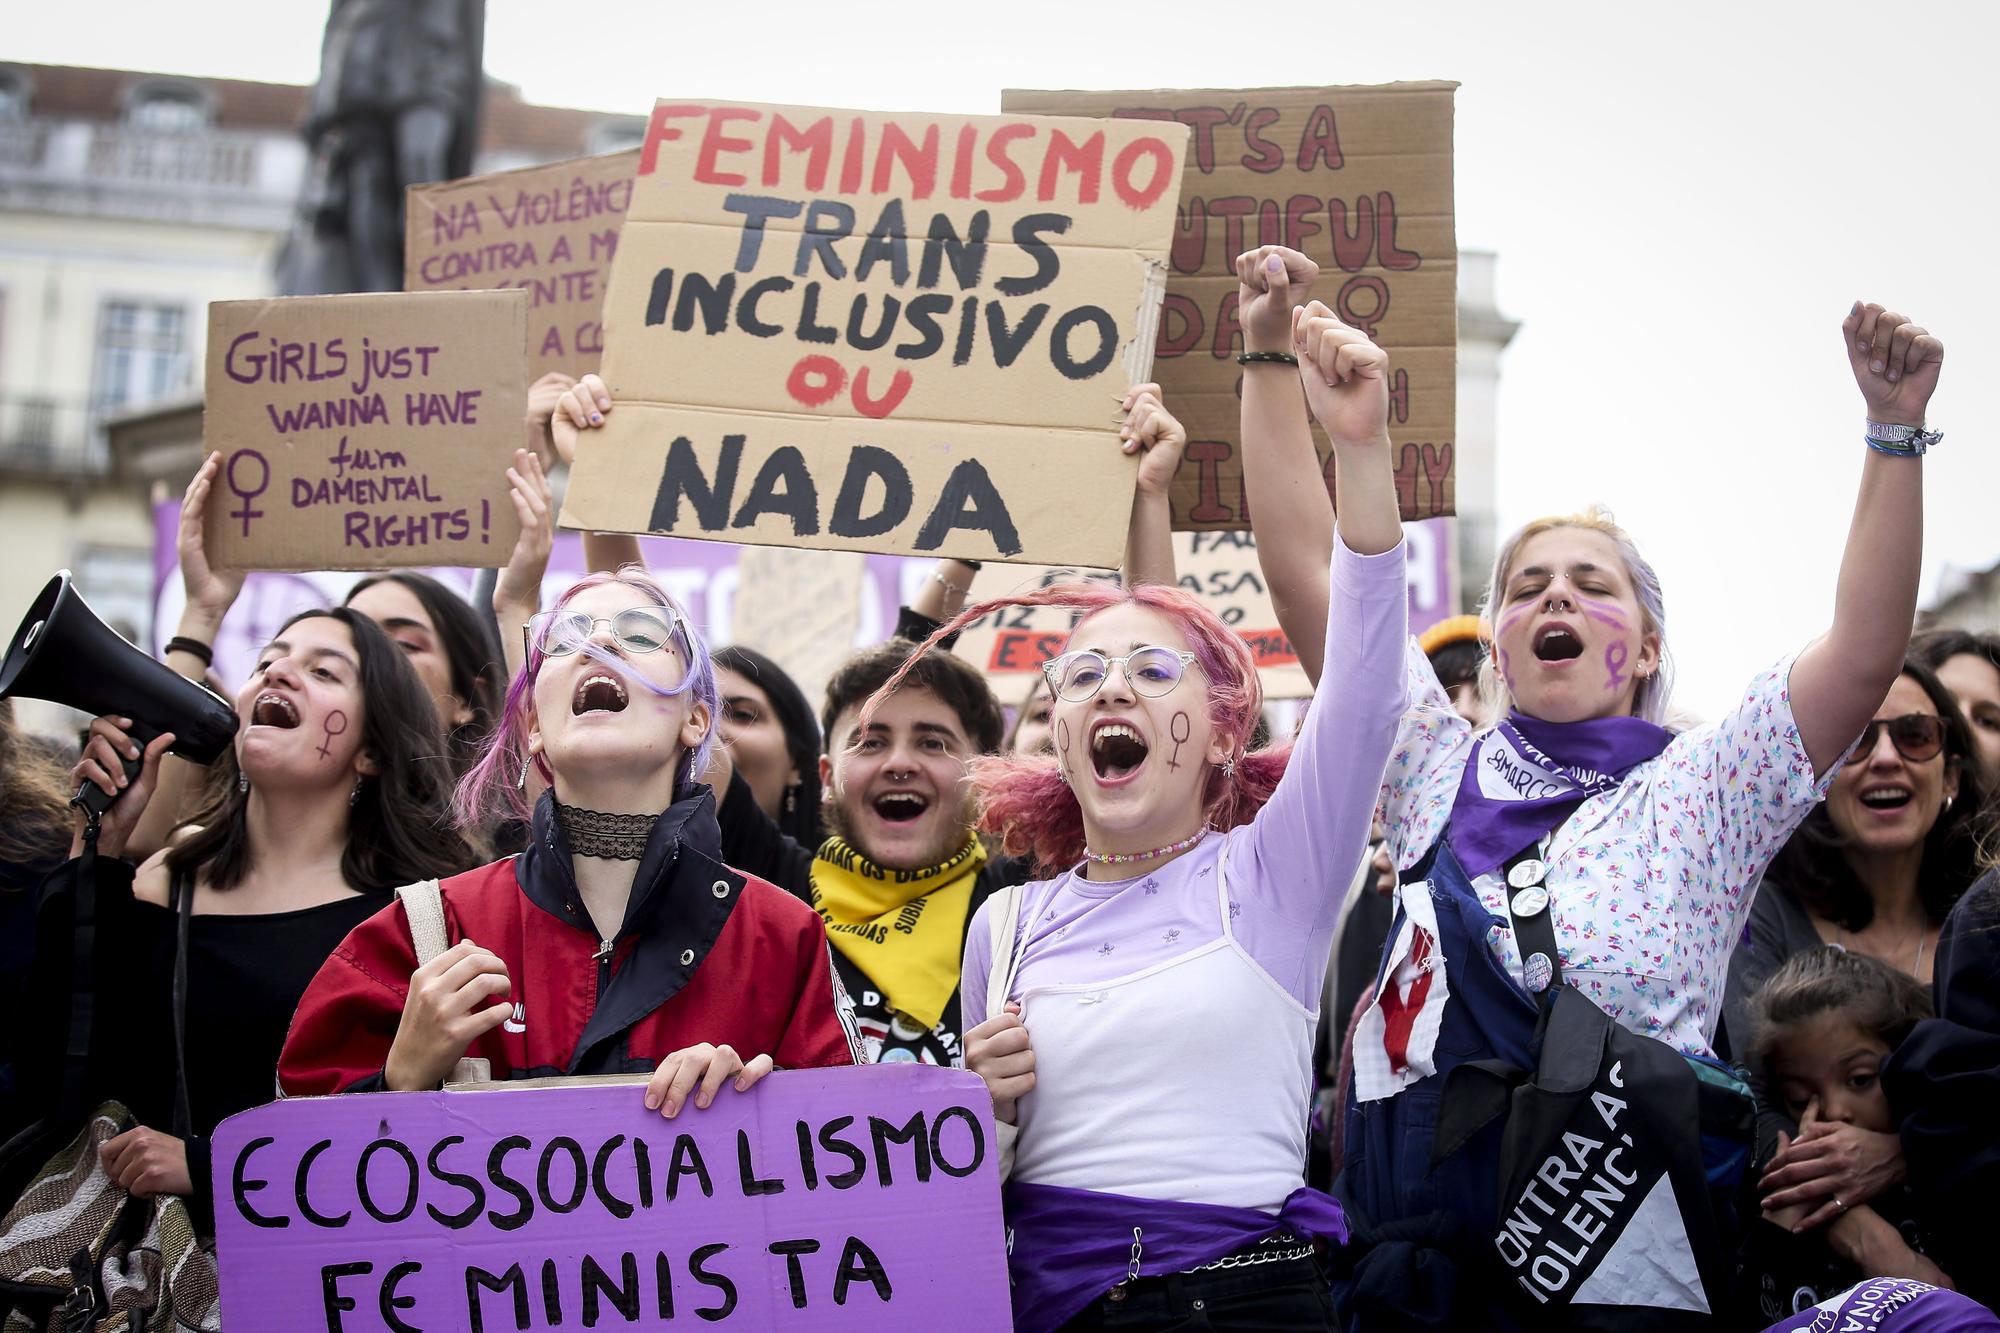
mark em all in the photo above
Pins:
pixel 801 609
pixel 1359 179
pixel 1219 567
pixel 903 333
pixel 834 1199
pixel 551 231
pixel 365 432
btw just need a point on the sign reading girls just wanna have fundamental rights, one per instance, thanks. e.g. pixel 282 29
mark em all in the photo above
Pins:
pixel 893 332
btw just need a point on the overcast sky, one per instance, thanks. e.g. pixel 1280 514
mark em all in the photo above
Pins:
pixel 1684 199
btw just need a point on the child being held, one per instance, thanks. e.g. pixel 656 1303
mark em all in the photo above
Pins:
pixel 1824 1024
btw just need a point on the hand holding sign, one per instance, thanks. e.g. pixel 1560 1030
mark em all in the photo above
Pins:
pixel 210 592
pixel 1271 282
pixel 580 408
pixel 999 1052
pixel 1345 376
pixel 1895 363
pixel 704 1065
pixel 443 1015
pixel 1156 435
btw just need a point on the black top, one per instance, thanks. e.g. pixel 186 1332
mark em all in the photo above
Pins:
pixel 1944 1083
pixel 753 843
pixel 245 977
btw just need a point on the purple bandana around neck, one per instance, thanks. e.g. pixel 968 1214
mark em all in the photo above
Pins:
pixel 1526 776
pixel 1066 1247
pixel 1891 1305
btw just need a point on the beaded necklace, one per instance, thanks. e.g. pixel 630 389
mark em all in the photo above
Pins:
pixel 1126 858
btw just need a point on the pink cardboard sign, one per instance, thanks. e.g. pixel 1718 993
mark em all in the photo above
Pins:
pixel 821 1199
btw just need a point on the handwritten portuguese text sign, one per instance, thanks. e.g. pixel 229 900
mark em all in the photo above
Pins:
pixel 891 332
pixel 822 1199
pixel 1360 180
pixel 551 231
pixel 1219 567
pixel 366 431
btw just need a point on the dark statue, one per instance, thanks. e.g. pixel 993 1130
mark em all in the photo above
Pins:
pixel 397 104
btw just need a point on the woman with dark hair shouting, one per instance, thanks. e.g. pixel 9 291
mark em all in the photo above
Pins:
pixel 1181 944
pixel 332 796
pixel 617 942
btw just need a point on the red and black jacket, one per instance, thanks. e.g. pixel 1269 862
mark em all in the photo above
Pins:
pixel 705 954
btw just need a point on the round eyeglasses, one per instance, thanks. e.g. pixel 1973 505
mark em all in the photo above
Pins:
pixel 1151 671
pixel 1916 736
pixel 640 629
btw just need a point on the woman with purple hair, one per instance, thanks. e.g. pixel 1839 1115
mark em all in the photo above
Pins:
pixel 700 975
pixel 1150 1008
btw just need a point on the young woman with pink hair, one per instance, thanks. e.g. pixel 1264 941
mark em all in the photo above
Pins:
pixel 691 972
pixel 1179 948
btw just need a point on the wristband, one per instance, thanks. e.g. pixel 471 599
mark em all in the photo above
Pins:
pixel 1258 358
pixel 1898 439
pixel 193 648
pixel 972 565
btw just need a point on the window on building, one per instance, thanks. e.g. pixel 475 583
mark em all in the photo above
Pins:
pixel 14 96
pixel 141 354
pixel 167 108
pixel 117 581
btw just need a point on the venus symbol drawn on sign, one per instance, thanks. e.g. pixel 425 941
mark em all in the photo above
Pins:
pixel 1614 663
pixel 331 730
pixel 1178 729
pixel 245 493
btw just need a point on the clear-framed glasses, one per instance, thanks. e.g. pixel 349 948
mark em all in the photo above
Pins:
pixel 639 629
pixel 1151 671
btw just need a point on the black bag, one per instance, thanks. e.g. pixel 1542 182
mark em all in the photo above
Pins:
pixel 1608 1215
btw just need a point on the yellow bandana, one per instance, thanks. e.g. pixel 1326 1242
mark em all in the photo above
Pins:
pixel 903 928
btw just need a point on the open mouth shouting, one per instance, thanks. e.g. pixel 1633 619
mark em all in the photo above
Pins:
pixel 274 710
pixel 1116 752
pixel 1557 642
pixel 899 807
pixel 599 692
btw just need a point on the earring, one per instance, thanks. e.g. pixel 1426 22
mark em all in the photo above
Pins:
pixel 1063 773
pixel 791 800
pixel 1947 803
pixel 521 783
pixel 355 794
pixel 242 783
pixel 1229 767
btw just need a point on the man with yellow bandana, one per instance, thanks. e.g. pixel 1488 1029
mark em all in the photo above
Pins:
pixel 899 881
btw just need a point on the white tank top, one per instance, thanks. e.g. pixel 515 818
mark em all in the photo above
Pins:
pixel 1189 1080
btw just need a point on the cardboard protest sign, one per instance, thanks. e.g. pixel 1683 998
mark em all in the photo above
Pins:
pixel 887 332
pixel 822 1199
pixel 551 231
pixel 365 431
pixel 1359 179
pixel 800 608
pixel 1219 567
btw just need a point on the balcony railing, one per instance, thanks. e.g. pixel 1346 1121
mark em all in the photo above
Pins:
pixel 52 436
pixel 120 153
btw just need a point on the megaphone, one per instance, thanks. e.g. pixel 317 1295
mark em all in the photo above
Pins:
pixel 64 654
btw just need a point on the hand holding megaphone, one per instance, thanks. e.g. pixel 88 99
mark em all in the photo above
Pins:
pixel 107 760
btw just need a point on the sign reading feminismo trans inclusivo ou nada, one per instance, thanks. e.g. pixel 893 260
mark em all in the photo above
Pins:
pixel 856 1199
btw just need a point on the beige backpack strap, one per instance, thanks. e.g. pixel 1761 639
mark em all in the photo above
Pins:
pixel 423 904
pixel 1005 923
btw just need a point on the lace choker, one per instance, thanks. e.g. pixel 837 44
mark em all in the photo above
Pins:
pixel 610 837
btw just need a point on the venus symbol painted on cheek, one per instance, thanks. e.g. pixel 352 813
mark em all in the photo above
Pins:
pixel 1179 729
pixel 1615 655
pixel 1062 747
pixel 331 730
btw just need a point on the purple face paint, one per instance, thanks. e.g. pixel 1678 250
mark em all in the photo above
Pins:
pixel 1179 729
pixel 1603 612
pixel 1615 655
pixel 331 730
pixel 1514 618
pixel 1062 746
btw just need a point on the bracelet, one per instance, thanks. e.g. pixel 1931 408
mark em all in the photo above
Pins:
pixel 972 565
pixel 193 648
pixel 1900 440
pixel 948 585
pixel 1275 358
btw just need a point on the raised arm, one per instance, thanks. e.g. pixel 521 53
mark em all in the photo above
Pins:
pixel 583 407
pixel 1841 678
pixel 1282 482
pixel 1311 835
pixel 517 593
pixel 1158 437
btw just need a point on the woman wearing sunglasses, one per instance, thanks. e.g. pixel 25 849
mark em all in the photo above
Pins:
pixel 698 975
pixel 1150 1008
pixel 1873 870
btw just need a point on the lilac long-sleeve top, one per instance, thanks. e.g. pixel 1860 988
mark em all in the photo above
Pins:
pixel 1172 1015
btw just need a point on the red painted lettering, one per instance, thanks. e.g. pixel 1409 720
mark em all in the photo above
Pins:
pixel 716 141
pixel 815 140
pixel 658 131
pixel 1123 166
pixel 997 154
